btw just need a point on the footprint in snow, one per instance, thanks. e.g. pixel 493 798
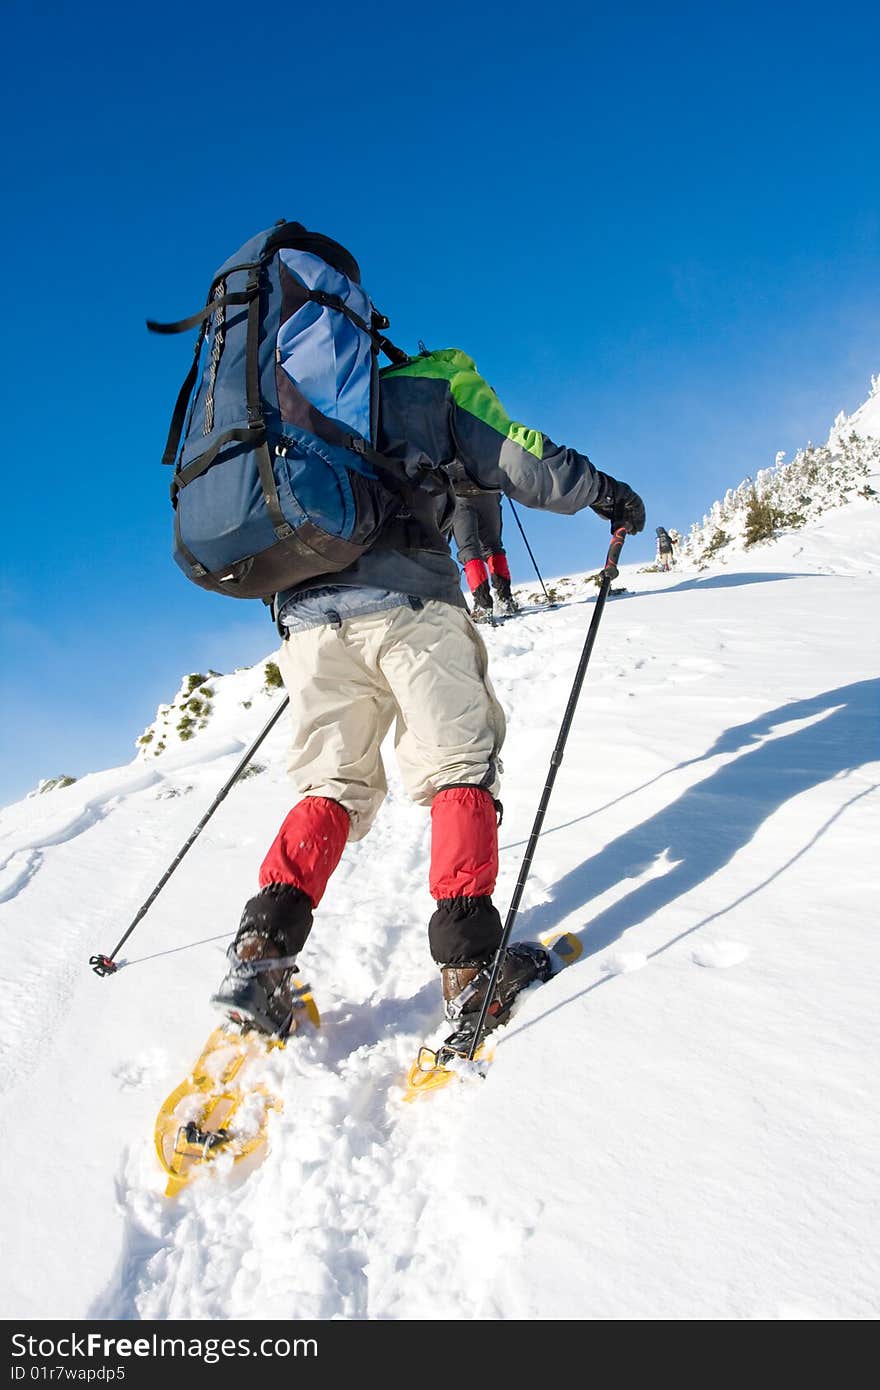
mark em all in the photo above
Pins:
pixel 137 1072
pixel 719 955
pixel 623 962
pixel 18 870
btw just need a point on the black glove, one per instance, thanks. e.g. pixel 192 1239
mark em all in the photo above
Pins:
pixel 619 504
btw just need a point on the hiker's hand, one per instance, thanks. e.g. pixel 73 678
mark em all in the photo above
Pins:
pixel 629 510
pixel 618 504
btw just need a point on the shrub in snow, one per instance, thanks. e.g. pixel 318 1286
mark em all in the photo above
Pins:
pixel 51 784
pixel 189 711
pixel 274 679
pixel 252 770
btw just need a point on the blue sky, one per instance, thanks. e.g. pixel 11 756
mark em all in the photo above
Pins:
pixel 655 228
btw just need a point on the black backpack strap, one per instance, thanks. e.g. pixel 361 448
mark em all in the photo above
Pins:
pixel 428 477
pixel 179 415
pixel 383 344
pixel 250 296
pixel 377 322
pixel 211 303
pixel 181 326
pixel 197 570
pixel 282 528
pixel 194 470
pixel 406 531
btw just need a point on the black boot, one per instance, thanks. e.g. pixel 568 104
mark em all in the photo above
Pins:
pixel 258 990
pixel 482 610
pixel 507 604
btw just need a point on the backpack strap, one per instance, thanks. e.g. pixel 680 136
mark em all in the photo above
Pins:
pixel 236 297
pixel 181 326
pixel 394 354
pixel 256 421
pixel 255 431
pixel 250 296
pixel 203 462
pixel 179 415
pixel 406 530
pixel 377 321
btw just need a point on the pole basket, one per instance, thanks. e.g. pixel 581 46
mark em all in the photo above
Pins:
pixel 103 965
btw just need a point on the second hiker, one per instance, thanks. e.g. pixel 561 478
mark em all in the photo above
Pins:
pixel 476 529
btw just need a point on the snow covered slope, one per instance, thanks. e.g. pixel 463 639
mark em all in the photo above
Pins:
pixel 790 495
pixel 680 1126
pixel 866 420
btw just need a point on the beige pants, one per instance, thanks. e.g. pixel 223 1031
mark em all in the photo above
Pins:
pixel 426 670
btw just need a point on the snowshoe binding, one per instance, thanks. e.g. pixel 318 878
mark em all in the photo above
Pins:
pixel 259 990
pixel 464 986
pixel 464 989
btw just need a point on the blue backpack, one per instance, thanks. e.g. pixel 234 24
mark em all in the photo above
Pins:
pixel 276 479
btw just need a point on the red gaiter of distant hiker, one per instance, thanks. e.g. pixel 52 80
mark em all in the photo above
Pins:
pixel 498 565
pixel 475 574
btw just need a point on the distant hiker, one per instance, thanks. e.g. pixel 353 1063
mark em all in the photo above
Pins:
pixel 476 528
pixel 383 638
pixel 665 556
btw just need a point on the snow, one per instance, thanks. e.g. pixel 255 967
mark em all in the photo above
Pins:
pixel 681 1125
pixel 866 420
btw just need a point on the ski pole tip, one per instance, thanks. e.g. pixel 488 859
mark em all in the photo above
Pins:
pixel 103 965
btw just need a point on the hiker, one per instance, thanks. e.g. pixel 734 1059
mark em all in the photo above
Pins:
pixel 476 529
pixel 296 457
pixel 664 548
pixel 390 641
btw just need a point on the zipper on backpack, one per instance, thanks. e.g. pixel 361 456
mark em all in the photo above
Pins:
pixel 218 342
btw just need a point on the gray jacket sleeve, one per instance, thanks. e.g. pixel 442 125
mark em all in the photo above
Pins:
pixel 496 452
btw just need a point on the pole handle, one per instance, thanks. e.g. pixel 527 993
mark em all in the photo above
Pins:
pixel 610 570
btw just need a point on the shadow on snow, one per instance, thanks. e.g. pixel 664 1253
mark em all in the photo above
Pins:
pixel 724 581
pixel 715 818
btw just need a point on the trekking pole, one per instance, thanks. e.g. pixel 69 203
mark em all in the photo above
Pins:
pixel 609 572
pixel 106 965
pixel 529 549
